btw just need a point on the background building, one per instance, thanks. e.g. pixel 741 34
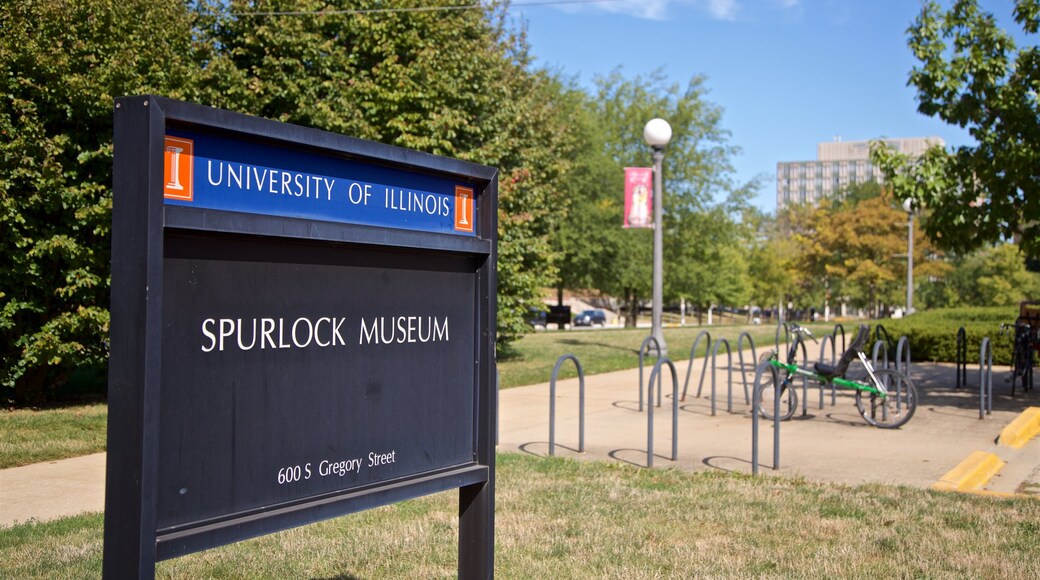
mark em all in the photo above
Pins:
pixel 837 165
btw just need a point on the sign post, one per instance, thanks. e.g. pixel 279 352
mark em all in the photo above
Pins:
pixel 303 326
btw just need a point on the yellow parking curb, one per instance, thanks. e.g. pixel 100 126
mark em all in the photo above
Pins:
pixel 1022 429
pixel 971 474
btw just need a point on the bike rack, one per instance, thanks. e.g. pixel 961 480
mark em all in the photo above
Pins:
pixel 656 373
pixel 729 366
pixel 879 347
pixel 740 358
pixel 881 333
pixel 756 412
pixel 704 369
pixel 985 378
pixel 828 339
pixel 805 383
pixel 962 358
pixel 643 348
pixel 903 352
pixel 581 404
pixel 834 336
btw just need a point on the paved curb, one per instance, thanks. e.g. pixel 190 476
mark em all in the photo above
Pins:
pixel 1022 429
pixel 975 472
pixel 971 474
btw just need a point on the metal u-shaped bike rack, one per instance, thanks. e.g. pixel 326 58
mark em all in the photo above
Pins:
pixel 729 381
pixel 693 354
pixel 834 336
pixel 985 378
pixel 581 404
pixel 740 358
pixel 824 342
pixel 643 348
pixel 805 382
pixel 828 339
pixel 962 358
pixel 903 356
pixel 756 412
pixel 656 373
pixel 879 347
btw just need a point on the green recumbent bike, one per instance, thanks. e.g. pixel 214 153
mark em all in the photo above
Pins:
pixel 885 398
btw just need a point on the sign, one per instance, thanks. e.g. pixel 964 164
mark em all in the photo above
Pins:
pixel 302 328
pixel 216 172
pixel 639 197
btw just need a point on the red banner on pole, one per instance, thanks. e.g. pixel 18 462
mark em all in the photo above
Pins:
pixel 639 197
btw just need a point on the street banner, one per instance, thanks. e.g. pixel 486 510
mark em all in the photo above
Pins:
pixel 638 197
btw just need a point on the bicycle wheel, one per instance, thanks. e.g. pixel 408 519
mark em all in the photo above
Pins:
pixel 894 410
pixel 766 402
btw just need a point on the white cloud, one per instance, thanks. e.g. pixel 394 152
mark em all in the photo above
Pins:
pixel 649 9
pixel 723 9
pixel 658 9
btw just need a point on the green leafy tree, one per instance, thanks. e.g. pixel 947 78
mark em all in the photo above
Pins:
pixel 62 63
pixel 973 74
pixel 599 253
pixel 857 251
pixel 994 276
pixel 452 82
pixel 707 260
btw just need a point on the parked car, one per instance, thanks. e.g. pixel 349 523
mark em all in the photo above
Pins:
pixel 590 318
pixel 536 319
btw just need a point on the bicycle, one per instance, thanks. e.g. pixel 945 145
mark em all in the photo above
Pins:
pixel 884 398
pixel 1022 354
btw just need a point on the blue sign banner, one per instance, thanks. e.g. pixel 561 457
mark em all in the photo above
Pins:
pixel 213 172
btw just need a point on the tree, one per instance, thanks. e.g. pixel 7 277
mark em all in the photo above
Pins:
pixel 994 276
pixel 453 82
pixel 973 75
pixel 598 253
pixel 857 250
pixel 62 63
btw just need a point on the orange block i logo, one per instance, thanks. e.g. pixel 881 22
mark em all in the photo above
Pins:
pixel 463 208
pixel 178 158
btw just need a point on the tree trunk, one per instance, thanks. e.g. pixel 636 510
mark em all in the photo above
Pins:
pixel 633 308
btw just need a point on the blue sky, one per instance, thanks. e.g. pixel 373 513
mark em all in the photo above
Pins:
pixel 788 73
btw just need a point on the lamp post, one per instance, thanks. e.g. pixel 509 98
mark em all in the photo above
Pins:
pixel 657 133
pixel 908 206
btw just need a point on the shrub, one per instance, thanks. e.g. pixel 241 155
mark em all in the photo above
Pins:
pixel 933 333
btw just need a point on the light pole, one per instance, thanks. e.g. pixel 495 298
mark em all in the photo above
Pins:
pixel 657 133
pixel 908 206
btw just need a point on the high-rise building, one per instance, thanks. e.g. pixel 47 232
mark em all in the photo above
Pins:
pixel 838 164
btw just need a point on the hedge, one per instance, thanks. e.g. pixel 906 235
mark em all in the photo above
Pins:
pixel 933 333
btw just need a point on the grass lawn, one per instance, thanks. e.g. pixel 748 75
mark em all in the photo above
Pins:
pixel 29 436
pixel 559 518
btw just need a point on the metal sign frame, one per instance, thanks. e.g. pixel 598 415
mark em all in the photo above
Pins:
pixel 142 225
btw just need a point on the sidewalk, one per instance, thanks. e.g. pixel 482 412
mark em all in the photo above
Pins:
pixel 832 444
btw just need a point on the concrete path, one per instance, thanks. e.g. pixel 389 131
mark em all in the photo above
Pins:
pixel 54 489
pixel 831 444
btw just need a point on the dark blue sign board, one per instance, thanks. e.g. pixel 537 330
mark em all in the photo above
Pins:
pixel 302 328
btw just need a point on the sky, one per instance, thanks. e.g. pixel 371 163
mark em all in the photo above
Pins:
pixel 788 73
